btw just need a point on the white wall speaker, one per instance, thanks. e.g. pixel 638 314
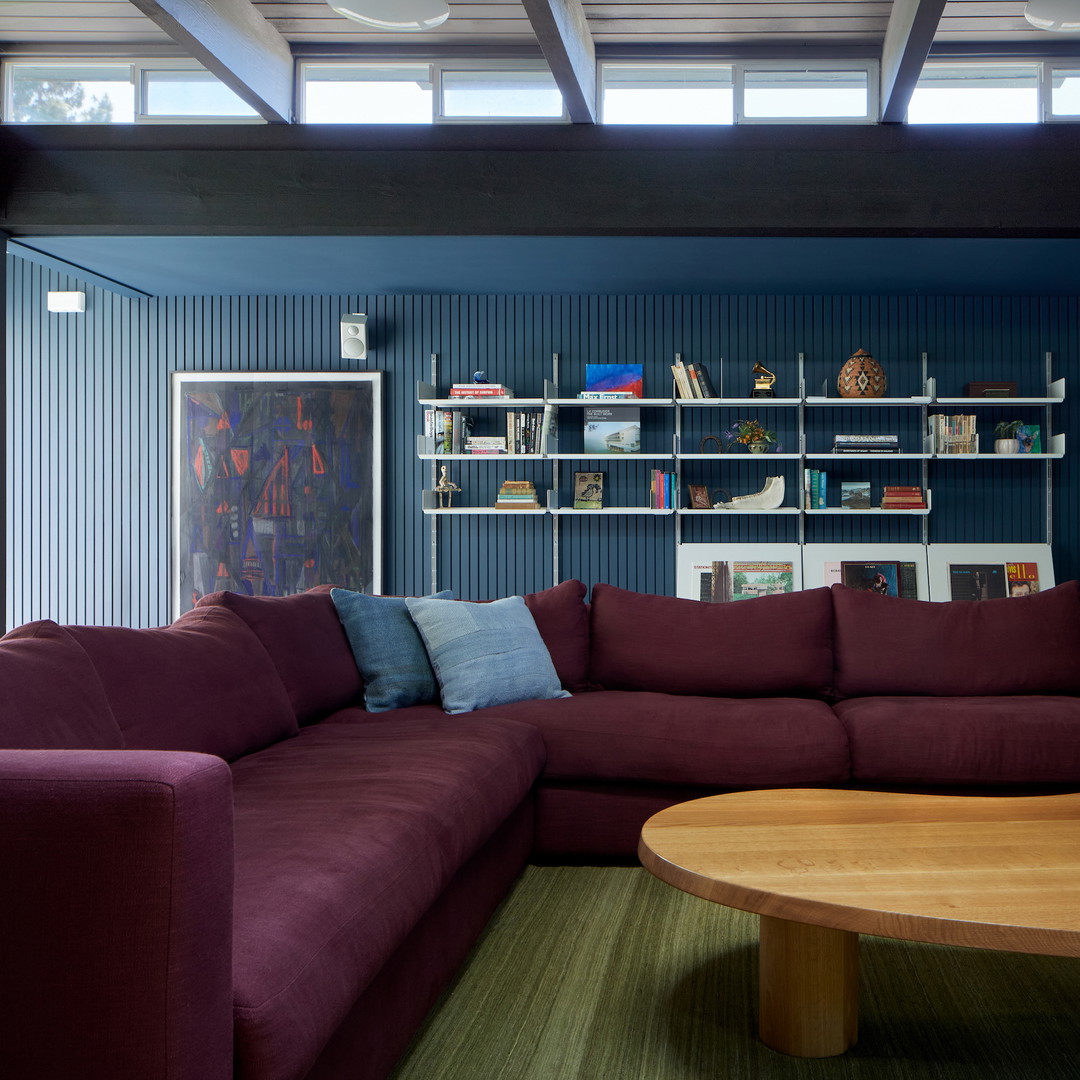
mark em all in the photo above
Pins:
pixel 354 337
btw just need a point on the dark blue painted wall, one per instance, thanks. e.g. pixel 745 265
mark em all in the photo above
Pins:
pixel 88 425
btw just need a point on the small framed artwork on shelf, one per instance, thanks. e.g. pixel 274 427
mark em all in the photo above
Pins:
pixel 588 491
pixel 855 494
pixel 625 379
pixel 699 497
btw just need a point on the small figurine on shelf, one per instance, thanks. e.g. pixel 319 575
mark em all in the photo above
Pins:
pixel 763 384
pixel 445 489
pixel 479 377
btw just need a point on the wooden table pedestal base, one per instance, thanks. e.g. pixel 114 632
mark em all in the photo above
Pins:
pixel 809 988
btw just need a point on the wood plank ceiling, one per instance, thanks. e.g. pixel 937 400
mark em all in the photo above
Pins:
pixel 503 23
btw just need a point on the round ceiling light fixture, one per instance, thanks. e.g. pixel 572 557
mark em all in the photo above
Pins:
pixel 1059 15
pixel 394 14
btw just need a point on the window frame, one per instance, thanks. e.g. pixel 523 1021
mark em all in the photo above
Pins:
pixel 437 67
pixel 138 67
pixel 670 64
pixel 1046 92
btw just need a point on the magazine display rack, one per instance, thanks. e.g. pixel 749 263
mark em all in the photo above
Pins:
pixel 688 458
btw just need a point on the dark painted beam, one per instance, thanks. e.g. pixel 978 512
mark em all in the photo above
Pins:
pixel 550 180
pixel 908 37
pixel 563 32
pixel 231 39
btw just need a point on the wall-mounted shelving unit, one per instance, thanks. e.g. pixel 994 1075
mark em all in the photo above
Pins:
pixel 803 409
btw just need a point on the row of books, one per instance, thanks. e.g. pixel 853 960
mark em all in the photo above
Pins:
pixel 448 428
pixel 662 490
pixel 527 432
pixel 815 487
pixel 953 434
pixel 692 381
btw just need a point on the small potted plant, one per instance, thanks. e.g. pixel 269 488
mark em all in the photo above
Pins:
pixel 1005 436
pixel 752 434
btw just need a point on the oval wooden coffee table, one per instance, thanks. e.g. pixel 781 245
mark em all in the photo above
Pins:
pixel 822 867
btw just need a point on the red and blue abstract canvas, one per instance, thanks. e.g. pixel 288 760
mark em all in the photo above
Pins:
pixel 276 483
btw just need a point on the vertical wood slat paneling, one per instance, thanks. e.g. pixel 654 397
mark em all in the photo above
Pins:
pixel 88 426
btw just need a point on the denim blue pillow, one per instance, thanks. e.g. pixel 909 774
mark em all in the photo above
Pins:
pixel 485 654
pixel 388 650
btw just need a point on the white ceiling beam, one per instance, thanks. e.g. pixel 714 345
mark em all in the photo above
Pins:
pixel 563 32
pixel 231 39
pixel 908 37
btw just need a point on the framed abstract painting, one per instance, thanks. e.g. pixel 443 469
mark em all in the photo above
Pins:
pixel 276 483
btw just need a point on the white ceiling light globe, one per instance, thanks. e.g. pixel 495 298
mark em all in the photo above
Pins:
pixel 1059 15
pixel 394 14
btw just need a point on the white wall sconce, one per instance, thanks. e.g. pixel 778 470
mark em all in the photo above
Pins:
pixel 70 302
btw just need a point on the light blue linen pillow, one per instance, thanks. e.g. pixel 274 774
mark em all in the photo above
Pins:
pixel 388 650
pixel 485 654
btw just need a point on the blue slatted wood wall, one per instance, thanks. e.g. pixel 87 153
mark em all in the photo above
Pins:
pixel 88 426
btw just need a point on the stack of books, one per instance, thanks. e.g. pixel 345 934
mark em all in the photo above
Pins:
pixel 815 489
pixel 953 434
pixel 517 495
pixel 866 444
pixel 897 497
pixel 485 444
pixel 692 381
pixel 480 390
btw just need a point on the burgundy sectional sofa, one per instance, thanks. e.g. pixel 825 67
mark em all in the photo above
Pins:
pixel 217 863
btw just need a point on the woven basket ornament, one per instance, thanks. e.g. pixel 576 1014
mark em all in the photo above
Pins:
pixel 861 377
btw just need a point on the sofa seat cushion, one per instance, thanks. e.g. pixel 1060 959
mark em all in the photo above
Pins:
pixel 993 740
pixel 52 696
pixel 770 646
pixel 203 684
pixel 960 648
pixel 613 735
pixel 344 837
pixel 307 644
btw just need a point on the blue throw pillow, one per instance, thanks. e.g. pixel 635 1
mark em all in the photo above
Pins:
pixel 388 650
pixel 485 654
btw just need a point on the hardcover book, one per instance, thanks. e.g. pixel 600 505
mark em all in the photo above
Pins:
pixel 613 430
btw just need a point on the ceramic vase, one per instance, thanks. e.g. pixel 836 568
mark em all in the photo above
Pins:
pixel 861 377
pixel 760 446
pixel 1006 446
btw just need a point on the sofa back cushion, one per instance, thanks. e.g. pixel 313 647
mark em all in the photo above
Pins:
pixel 562 617
pixel 204 684
pixel 306 642
pixel 1015 645
pixel 767 646
pixel 53 698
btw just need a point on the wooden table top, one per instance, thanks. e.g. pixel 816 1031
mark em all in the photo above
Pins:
pixel 991 873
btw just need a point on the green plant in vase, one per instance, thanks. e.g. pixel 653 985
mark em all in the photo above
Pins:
pixel 752 434
pixel 1006 434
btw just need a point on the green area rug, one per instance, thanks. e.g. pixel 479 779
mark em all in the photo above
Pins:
pixel 605 973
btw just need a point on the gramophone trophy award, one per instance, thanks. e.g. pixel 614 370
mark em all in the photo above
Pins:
pixel 763 384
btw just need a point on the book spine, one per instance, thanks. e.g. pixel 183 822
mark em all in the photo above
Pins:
pixel 705 381
pixel 695 382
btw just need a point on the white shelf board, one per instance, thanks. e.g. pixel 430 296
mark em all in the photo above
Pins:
pixel 738 457
pixel 874 511
pixel 591 403
pixel 610 457
pixel 451 510
pixel 481 403
pixel 722 510
pixel 481 457
pixel 867 457
pixel 568 510
pixel 996 401
pixel 881 401
pixel 762 403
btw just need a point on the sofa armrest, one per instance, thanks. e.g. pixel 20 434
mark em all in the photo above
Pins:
pixel 115 915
